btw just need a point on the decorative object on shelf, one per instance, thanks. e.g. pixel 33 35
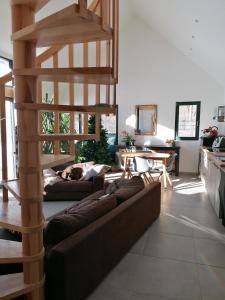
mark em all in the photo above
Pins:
pixel 127 138
pixel 171 142
pixel 211 131
pixel 146 116
pixel 220 115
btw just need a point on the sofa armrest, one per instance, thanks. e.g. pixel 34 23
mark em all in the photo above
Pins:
pixel 98 183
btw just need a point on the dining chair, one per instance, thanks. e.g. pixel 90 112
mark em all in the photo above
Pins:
pixel 145 168
pixel 169 168
pixel 121 163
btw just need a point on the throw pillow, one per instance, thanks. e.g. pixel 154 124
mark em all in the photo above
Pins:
pixel 96 170
pixel 113 186
pixel 50 177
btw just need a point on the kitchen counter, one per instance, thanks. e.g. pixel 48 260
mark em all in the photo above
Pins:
pixel 218 158
pixel 212 172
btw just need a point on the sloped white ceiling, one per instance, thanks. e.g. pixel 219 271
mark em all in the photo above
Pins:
pixel 196 27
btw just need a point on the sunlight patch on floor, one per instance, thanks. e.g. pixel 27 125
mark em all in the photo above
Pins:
pixel 197 226
pixel 189 188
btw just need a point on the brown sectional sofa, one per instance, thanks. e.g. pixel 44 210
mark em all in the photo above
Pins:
pixel 77 264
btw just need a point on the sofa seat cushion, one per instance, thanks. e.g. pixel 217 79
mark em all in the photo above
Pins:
pixel 70 186
pixel 77 217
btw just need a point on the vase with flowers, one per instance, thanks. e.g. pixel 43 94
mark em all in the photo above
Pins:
pixel 127 138
pixel 211 131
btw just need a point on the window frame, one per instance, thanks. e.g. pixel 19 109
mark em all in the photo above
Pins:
pixel 196 137
pixel 10 61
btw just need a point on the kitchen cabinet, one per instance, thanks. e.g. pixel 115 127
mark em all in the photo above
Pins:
pixel 210 174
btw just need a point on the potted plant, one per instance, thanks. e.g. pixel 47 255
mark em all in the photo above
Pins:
pixel 127 138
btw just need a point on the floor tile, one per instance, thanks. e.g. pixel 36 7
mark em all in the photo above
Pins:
pixel 160 277
pixel 210 252
pixel 107 292
pixel 138 296
pixel 138 248
pixel 170 246
pixel 170 224
pixel 212 283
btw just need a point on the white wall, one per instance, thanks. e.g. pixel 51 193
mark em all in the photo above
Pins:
pixel 152 71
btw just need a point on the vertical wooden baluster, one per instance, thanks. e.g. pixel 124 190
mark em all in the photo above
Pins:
pixel 56 101
pixel 85 86
pixel 71 90
pixel 115 46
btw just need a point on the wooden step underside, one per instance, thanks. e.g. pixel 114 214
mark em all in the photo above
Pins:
pixel 12 286
pixel 100 109
pixel 65 27
pixel 91 75
pixel 36 5
pixel 58 137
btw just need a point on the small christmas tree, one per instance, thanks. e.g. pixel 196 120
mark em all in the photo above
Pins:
pixel 94 150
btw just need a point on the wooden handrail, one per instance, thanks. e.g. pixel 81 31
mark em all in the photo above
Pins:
pixel 39 60
pixel 48 53
pixel 6 78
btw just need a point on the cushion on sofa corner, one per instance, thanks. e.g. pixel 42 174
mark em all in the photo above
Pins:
pixel 126 188
pixel 77 217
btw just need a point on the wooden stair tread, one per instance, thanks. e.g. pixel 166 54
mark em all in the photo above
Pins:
pixel 50 161
pixel 12 286
pixel 10 252
pixel 10 216
pixel 47 161
pixel 89 75
pixel 36 5
pixel 13 187
pixel 65 27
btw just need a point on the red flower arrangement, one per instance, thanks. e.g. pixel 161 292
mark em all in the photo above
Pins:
pixel 211 131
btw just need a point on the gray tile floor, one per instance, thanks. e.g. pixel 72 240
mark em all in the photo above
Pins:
pixel 181 256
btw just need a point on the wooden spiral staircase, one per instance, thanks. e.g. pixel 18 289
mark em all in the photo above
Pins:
pixel 79 23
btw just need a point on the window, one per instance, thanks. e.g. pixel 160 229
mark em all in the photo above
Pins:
pixel 5 67
pixel 187 120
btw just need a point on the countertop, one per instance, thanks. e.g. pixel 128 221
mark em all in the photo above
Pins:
pixel 218 158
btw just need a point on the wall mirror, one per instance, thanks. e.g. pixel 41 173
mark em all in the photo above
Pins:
pixel 146 120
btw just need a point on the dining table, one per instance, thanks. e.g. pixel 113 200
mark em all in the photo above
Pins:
pixel 148 155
